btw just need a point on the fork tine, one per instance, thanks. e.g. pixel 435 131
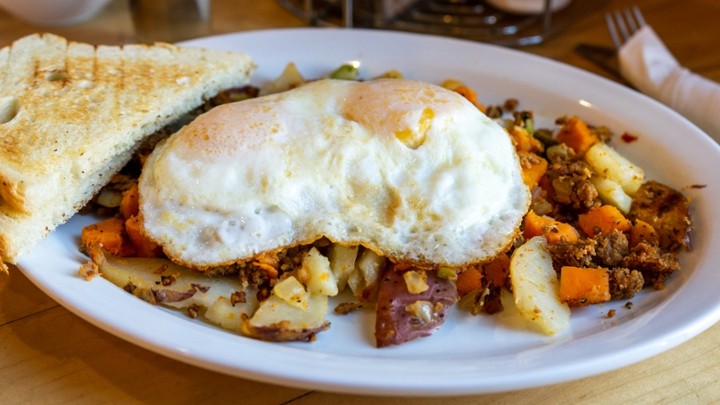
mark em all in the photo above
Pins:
pixel 620 21
pixel 630 20
pixel 638 16
pixel 622 25
pixel 613 31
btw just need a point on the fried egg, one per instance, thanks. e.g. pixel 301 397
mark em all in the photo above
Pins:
pixel 410 170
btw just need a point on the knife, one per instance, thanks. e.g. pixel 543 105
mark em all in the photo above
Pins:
pixel 604 57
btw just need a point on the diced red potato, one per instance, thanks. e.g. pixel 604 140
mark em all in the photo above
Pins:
pixel 402 316
pixel 277 320
pixel 160 281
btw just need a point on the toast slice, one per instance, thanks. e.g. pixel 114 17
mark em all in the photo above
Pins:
pixel 72 114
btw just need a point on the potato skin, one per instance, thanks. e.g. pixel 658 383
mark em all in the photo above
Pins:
pixel 394 324
pixel 281 332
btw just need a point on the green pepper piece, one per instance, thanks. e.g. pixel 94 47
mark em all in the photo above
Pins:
pixel 345 72
pixel 447 273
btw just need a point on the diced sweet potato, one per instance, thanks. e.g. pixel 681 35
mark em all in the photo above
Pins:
pixel 584 286
pixel 144 246
pixel 602 220
pixel 533 168
pixel 129 205
pixel 576 134
pixel 641 231
pixel 469 280
pixel 524 141
pixel 470 95
pixel 496 271
pixel 554 231
pixel 110 235
pixel 465 91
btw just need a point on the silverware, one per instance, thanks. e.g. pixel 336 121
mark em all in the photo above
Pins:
pixel 623 24
pixel 605 57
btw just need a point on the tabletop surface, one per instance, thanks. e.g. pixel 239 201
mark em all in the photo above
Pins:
pixel 48 355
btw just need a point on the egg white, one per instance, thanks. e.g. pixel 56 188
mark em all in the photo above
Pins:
pixel 409 169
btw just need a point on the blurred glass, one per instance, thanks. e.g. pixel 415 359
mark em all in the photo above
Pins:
pixel 170 20
pixel 503 22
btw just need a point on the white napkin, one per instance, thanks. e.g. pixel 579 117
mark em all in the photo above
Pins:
pixel 648 65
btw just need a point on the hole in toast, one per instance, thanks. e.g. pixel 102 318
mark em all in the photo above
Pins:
pixel 9 107
pixel 56 75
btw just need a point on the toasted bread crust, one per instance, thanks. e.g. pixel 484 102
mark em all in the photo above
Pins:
pixel 71 115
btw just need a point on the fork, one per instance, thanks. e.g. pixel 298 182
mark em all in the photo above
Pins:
pixel 623 24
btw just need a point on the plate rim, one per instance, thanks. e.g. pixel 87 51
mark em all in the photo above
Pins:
pixel 626 357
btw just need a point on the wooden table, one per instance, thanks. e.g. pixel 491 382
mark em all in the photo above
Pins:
pixel 49 355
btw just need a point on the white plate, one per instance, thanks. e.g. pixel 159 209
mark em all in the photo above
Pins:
pixel 469 354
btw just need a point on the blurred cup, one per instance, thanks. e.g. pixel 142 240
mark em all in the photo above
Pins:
pixel 53 12
pixel 527 6
pixel 170 20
